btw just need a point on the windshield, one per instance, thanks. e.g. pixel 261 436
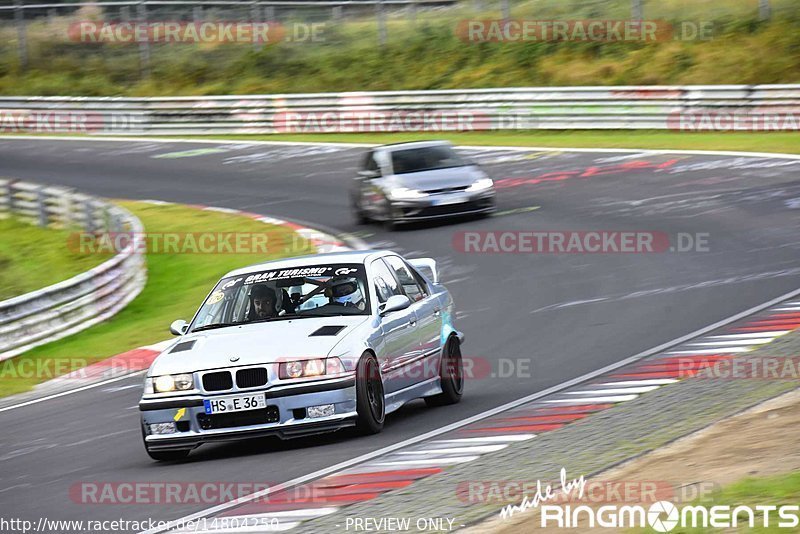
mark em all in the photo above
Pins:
pixel 276 294
pixel 425 159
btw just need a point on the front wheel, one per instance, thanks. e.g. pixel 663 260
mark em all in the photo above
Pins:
pixel 389 221
pixel 451 374
pixel 358 212
pixel 370 404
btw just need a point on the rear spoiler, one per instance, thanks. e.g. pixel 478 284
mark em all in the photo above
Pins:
pixel 428 267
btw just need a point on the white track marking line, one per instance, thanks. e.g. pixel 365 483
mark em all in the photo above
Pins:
pixel 752 335
pixel 725 350
pixel 647 382
pixel 434 462
pixel 585 400
pixel 71 391
pixel 510 438
pixel 733 343
pixel 615 391
pixel 488 413
pixel 477 449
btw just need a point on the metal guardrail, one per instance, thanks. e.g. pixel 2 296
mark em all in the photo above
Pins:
pixel 75 304
pixel 558 108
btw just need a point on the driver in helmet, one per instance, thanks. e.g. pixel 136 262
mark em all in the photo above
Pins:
pixel 345 292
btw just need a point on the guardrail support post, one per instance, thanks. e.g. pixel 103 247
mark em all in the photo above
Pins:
pixel 636 10
pixel 41 206
pixel 506 8
pixel 88 227
pixel 764 10
pixel 381 22
pixel 5 198
pixel 144 45
pixel 22 42
pixel 412 12
pixel 336 13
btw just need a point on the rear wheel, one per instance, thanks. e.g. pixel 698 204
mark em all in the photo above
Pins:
pixel 451 374
pixel 370 404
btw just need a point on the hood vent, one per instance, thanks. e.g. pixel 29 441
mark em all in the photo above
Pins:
pixel 327 331
pixel 183 346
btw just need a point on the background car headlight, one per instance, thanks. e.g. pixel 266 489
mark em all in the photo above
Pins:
pixel 167 383
pixel 481 185
pixel 310 368
pixel 403 193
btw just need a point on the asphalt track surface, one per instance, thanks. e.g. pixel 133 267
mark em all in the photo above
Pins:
pixel 542 318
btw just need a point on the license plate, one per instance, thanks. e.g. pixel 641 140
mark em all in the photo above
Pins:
pixel 450 199
pixel 238 403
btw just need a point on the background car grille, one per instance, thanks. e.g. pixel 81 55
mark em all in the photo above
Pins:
pixel 250 378
pixel 269 414
pixel 217 381
pixel 446 190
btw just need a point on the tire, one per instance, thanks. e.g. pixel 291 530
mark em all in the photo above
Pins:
pixel 389 221
pixel 451 374
pixel 359 215
pixel 370 400
pixel 168 456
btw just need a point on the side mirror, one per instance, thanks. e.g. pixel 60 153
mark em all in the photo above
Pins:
pixel 395 303
pixel 179 327
pixel 426 266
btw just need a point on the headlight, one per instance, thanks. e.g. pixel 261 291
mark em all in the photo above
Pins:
pixel 481 185
pixel 310 368
pixel 403 193
pixel 167 383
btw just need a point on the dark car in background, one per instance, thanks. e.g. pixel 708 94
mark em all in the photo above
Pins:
pixel 418 181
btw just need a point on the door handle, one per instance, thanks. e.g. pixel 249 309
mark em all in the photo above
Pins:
pixel 412 323
pixel 437 312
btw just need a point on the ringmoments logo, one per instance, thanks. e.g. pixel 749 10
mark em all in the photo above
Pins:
pixel 661 516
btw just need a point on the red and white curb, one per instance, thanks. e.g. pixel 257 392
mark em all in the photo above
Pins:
pixel 322 242
pixel 289 506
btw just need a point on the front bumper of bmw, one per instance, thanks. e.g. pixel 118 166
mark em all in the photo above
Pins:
pixel 285 416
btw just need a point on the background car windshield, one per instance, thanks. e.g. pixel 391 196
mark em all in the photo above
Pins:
pixel 425 159
pixel 312 291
